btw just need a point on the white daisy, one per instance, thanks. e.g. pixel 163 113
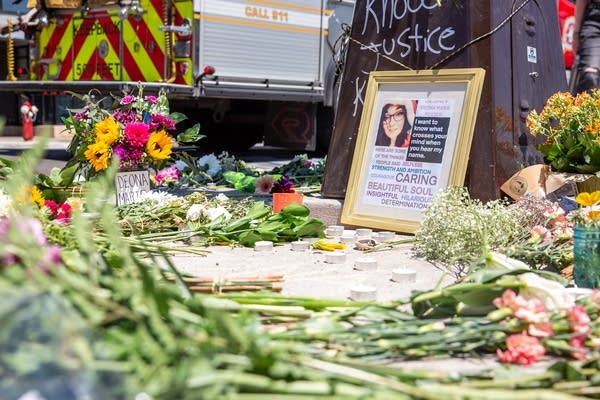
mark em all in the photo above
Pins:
pixel 210 163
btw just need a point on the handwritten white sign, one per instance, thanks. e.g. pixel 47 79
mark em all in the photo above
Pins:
pixel 131 185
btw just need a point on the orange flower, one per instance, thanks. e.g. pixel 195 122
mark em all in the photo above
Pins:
pixel 593 215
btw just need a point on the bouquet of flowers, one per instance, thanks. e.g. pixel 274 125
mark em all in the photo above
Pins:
pixel 136 131
pixel 571 128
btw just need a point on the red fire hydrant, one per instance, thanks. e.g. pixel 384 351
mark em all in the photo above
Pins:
pixel 28 114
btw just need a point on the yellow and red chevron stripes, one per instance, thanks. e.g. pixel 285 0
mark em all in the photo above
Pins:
pixel 101 46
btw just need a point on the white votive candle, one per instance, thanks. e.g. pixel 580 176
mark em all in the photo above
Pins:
pixel 363 292
pixel 403 275
pixel 347 239
pixel 300 246
pixel 364 233
pixel 263 245
pixel 365 264
pixel 336 257
pixel 334 230
pixel 386 236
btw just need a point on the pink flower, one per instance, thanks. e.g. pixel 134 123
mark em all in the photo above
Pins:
pixel 542 232
pixel 580 350
pixel 541 330
pixel 137 134
pixel 151 99
pixel 579 321
pixel 532 310
pixel 127 100
pixel 521 349
pixel 61 212
pixel 169 174
pixel 264 184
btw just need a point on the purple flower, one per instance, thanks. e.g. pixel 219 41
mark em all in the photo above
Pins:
pixel 307 163
pixel 125 117
pixel 159 121
pixel 120 151
pixel 151 99
pixel 283 185
pixel 127 100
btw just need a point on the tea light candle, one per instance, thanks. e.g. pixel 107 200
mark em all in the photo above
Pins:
pixel 364 233
pixel 263 245
pixel 348 239
pixel 365 264
pixel 300 246
pixel 403 275
pixel 363 292
pixel 337 257
pixel 386 236
pixel 334 230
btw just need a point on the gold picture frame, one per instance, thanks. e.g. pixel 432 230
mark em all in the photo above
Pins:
pixel 414 139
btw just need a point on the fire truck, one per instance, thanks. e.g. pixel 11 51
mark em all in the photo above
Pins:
pixel 247 70
pixel 566 15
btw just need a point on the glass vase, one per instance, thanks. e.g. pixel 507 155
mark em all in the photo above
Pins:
pixel 586 252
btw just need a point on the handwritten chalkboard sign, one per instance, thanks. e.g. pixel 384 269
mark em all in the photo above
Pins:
pixel 131 185
pixel 414 135
pixel 420 35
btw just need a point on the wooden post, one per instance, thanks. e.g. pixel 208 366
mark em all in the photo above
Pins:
pixel 522 58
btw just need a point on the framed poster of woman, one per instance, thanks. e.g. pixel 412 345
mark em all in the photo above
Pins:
pixel 414 139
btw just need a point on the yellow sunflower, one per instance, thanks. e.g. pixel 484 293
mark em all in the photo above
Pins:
pixel 98 155
pixel 107 130
pixel 587 199
pixel 159 145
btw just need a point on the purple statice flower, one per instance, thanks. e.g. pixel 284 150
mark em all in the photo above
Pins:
pixel 120 151
pixel 81 116
pixel 133 157
pixel 136 134
pixel 307 163
pixel 151 99
pixel 125 117
pixel 127 100
pixel 159 121
pixel 283 185
pixel 167 175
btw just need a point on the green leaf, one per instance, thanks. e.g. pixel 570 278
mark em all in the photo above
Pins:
pixel 67 175
pixel 249 238
pixel 190 135
pixel 310 228
pixel 233 177
pixel 177 117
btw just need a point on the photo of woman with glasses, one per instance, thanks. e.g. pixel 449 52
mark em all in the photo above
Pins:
pixel 395 126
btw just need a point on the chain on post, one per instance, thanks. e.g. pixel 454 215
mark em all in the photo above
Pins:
pixel 10 54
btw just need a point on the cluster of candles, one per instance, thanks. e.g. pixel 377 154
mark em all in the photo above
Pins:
pixel 338 234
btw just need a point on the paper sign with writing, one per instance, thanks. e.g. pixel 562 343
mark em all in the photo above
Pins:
pixel 414 139
pixel 131 185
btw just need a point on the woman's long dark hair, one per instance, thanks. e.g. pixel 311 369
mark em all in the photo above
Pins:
pixel 382 138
